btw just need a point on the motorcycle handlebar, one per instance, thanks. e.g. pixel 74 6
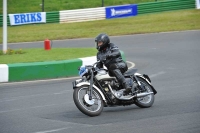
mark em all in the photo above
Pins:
pixel 92 66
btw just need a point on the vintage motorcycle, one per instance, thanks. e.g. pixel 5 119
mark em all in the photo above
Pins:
pixel 97 89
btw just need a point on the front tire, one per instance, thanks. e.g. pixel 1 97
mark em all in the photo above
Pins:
pixel 92 107
pixel 146 101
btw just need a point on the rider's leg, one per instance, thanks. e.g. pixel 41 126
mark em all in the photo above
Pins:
pixel 121 79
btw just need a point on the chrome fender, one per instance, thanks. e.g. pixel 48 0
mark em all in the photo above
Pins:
pixel 146 79
pixel 140 75
pixel 96 88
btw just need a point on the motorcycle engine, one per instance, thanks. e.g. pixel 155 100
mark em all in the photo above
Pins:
pixel 114 85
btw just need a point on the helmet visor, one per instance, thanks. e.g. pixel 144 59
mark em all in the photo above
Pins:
pixel 99 43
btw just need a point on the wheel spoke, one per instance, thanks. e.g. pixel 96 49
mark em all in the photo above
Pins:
pixel 86 104
pixel 147 98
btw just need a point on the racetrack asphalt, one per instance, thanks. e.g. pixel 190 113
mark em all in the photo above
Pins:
pixel 170 59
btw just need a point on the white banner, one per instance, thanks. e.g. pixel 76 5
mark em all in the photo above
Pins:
pixel 27 18
pixel 198 4
pixel 81 15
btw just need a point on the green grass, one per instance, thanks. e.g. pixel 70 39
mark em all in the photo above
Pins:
pixel 25 6
pixel 40 55
pixel 149 23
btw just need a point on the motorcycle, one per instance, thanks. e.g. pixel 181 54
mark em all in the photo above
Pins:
pixel 97 89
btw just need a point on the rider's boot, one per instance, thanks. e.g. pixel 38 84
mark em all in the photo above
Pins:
pixel 127 89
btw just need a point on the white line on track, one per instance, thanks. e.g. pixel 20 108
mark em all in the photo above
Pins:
pixel 54 130
pixel 157 74
pixel 132 64
pixel 46 80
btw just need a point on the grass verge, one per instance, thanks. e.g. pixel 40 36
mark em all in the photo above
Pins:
pixel 148 23
pixel 40 55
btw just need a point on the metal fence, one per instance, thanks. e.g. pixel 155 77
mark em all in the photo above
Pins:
pixel 152 7
pixel 24 6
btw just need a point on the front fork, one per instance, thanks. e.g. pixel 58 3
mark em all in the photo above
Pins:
pixel 91 85
pixel 141 86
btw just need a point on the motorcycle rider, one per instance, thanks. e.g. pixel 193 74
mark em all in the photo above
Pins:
pixel 110 56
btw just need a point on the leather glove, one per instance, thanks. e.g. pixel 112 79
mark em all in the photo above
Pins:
pixel 108 56
pixel 103 58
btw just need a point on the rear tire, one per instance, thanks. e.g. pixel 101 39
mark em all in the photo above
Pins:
pixel 146 101
pixel 92 107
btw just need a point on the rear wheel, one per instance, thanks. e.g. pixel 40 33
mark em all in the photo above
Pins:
pixel 146 101
pixel 89 107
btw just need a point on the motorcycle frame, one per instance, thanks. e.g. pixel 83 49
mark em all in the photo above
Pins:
pixel 101 90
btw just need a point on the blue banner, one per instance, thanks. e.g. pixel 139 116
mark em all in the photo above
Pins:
pixel 198 4
pixel 27 18
pixel 121 11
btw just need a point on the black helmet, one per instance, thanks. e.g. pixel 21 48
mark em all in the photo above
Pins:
pixel 102 38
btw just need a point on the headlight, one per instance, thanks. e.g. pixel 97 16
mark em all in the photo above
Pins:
pixel 83 71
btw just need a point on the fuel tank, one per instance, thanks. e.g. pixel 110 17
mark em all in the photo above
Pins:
pixel 103 75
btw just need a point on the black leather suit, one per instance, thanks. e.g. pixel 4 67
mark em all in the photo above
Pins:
pixel 114 63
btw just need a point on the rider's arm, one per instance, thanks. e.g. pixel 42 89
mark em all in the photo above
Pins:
pixel 99 64
pixel 114 51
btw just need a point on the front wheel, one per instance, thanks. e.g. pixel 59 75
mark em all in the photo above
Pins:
pixel 89 107
pixel 146 101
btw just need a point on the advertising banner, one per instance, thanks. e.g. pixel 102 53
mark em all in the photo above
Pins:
pixel 27 18
pixel 121 11
pixel 198 4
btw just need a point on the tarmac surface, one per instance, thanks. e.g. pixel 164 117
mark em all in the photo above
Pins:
pixel 172 60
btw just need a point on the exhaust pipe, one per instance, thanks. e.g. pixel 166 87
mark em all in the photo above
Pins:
pixel 129 97
pixel 137 96
pixel 143 94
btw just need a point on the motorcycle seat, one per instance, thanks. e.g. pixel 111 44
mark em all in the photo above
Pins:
pixel 130 72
